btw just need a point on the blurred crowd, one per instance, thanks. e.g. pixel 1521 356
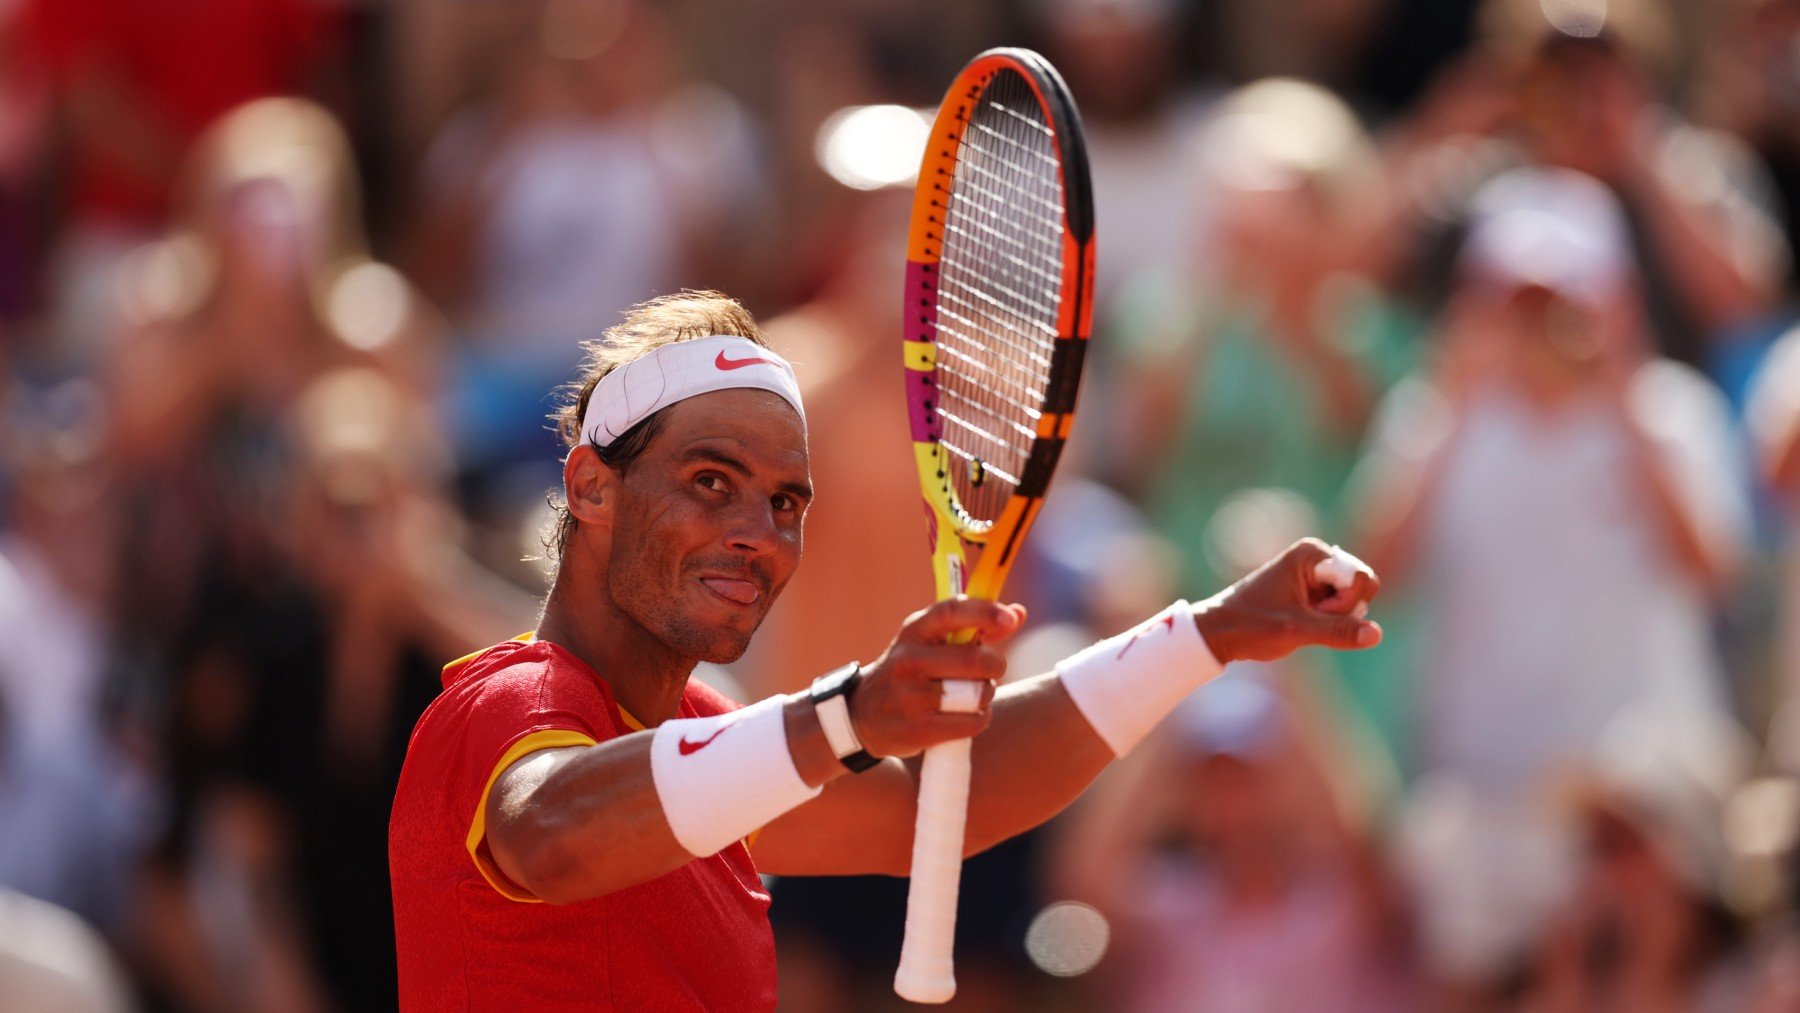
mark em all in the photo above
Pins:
pixel 1496 293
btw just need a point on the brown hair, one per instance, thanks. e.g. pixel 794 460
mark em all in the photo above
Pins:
pixel 664 320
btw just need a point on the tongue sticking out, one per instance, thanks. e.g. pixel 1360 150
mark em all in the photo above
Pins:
pixel 741 591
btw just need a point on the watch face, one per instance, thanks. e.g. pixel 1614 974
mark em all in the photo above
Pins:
pixel 835 683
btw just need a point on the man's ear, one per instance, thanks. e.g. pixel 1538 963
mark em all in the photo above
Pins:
pixel 589 486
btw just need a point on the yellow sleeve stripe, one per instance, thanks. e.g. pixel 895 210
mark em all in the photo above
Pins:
pixel 472 655
pixel 549 738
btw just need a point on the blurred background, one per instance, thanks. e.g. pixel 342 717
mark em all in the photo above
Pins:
pixel 1496 293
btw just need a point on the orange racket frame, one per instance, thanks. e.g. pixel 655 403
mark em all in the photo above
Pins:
pixel 926 972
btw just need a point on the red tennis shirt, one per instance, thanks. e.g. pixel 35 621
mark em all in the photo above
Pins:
pixel 697 938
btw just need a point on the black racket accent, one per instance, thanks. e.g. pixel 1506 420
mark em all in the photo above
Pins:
pixel 1065 119
pixel 1065 375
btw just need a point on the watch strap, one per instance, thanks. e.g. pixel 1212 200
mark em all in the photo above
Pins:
pixel 831 702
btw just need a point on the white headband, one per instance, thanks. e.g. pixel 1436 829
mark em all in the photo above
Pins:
pixel 677 371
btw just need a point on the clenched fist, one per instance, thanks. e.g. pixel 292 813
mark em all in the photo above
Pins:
pixel 1309 595
pixel 898 706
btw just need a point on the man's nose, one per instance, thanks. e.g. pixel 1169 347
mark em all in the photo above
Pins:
pixel 753 530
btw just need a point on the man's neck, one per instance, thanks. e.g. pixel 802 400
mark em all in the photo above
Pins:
pixel 645 677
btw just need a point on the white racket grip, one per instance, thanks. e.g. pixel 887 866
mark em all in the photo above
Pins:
pixel 927 971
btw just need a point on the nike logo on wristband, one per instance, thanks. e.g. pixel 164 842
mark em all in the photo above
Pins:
pixel 685 747
pixel 723 363
pixel 1168 621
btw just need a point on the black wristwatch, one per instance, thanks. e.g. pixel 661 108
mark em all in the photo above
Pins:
pixel 831 701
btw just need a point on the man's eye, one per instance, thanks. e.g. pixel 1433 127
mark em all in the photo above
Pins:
pixel 785 502
pixel 711 480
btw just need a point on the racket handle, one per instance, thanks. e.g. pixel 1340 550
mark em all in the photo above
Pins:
pixel 927 970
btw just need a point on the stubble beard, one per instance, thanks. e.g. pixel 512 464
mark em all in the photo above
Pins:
pixel 661 617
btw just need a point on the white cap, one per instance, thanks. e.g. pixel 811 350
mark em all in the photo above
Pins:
pixel 1557 228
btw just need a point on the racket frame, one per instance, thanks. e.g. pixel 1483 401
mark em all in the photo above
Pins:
pixel 926 972
pixel 951 528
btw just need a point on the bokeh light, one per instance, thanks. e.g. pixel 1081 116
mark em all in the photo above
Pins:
pixel 869 147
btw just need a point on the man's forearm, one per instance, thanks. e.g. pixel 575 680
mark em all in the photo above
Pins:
pixel 1053 734
pixel 573 823
pixel 1039 754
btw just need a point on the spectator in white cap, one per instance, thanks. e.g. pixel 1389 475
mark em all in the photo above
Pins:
pixel 1587 85
pixel 1552 471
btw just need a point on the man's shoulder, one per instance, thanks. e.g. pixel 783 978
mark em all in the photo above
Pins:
pixel 520 678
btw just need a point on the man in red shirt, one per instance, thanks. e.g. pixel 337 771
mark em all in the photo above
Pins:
pixel 574 824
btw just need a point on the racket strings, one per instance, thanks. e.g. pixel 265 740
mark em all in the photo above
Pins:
pixel 999 286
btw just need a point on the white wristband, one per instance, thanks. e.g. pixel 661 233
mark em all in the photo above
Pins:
pixel 1126 684
pixel 725 777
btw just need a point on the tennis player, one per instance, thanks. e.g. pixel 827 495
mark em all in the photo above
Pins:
pixel 575 824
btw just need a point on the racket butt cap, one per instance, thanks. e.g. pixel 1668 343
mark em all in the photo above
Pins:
pixel 916 986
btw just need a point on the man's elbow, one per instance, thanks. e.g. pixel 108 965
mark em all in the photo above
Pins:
pixel 556 883
pixel 540 862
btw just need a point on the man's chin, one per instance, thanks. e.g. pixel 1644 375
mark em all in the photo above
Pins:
pixel 726 655
pixel 721 644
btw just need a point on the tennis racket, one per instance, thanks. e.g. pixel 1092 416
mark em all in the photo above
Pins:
pixel 999 289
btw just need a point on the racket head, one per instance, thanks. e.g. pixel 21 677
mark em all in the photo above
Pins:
pixel 999 305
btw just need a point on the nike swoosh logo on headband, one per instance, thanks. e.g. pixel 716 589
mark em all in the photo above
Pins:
pixel 723 363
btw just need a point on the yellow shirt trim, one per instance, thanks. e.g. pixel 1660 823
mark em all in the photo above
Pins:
pixel 549 738
pixel 472 655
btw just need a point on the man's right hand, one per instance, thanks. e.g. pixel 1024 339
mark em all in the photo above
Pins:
pixel 897 706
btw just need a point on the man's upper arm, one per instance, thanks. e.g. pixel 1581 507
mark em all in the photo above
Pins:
pixel 861 824
pixel 519 771
pixel 510 714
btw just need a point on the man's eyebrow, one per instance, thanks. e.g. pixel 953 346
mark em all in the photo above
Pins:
pixel 716 456
pixel 723 459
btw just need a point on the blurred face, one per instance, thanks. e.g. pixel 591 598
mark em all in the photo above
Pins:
pixel 1276 231
pixel 1553 327
pixel 1625 863
pixel 707 527
pixel 1234 803
pixel 1118 64
pixel 345 514
pixel 1542 339
pixel 270 232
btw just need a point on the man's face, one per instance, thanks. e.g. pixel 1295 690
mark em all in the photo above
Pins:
pixel 707 528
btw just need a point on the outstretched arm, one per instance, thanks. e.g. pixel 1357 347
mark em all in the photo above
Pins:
pixel 1042 749
pixel 572 822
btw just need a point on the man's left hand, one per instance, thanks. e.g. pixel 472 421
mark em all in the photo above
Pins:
pixel 1290 602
